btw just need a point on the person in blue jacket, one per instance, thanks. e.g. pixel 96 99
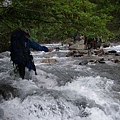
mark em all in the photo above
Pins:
pixel 20 51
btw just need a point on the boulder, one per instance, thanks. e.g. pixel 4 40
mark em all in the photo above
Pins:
pixel 99 52
pixel 79 45
pixel 7 91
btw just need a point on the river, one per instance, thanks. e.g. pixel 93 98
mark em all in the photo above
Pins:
pixel 63 90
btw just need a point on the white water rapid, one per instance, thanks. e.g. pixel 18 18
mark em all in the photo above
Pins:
pixel 63 90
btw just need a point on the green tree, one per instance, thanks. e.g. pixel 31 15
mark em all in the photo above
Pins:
pixel 55 20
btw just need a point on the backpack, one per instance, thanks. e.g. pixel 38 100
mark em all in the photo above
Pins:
pixel 20 55
pixel 17 47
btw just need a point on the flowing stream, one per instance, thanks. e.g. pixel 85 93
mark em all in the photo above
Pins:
pixel 62 90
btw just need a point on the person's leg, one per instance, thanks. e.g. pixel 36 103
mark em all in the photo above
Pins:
pixel 33 67
pixel 89 49
pixel 21 69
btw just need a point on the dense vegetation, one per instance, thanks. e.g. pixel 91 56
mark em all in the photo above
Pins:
pixel 56 20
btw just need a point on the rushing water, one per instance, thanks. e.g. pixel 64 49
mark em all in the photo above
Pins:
pixel 61 91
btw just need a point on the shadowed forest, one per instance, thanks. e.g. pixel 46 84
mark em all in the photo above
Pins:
pixel 56 20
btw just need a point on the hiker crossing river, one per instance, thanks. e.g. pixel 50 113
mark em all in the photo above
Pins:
pixel 20 51
pixel 61 90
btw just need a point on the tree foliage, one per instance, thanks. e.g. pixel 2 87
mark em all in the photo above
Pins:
pixel 54 20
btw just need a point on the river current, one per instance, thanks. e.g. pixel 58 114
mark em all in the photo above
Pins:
pixel 62 90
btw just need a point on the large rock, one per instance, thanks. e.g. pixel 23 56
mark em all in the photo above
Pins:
pixel 8 91
pixel 78 45
pixel 99 52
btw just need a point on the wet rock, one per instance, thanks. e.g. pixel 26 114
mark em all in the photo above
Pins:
pixel 117 54
pixel 57 48
pixel 7 91
pixel 92 61
pixel 78 55
pixel 84 62
pixel 116 88
pixel 82 51
pixel 112 52
pixel 70 43
pixel 78 45
pixel 82 104
pixel 107 44
pixel 99 52
pixel 101 60
pixel 115 60
pixel 71 53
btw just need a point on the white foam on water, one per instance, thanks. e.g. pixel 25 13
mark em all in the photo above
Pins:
pixel 117 48
pixel 96 90
pixel 45 107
